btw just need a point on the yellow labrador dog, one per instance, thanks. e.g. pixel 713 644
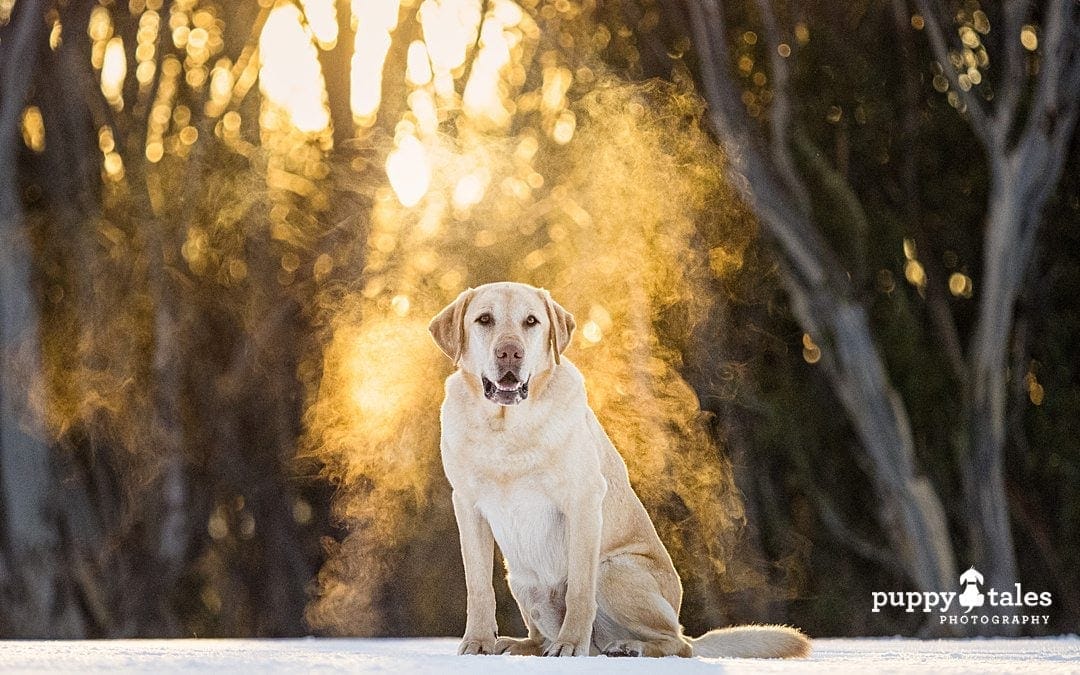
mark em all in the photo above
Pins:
pixel 532 469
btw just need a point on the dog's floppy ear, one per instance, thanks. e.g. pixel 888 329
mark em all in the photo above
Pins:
pixel 562 325
pixel 448 326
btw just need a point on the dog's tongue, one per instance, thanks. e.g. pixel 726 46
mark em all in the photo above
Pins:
pixel 508 381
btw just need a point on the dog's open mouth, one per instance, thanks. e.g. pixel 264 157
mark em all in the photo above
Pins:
pixel 508 390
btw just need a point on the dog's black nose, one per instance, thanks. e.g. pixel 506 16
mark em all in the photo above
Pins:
pixel 509 353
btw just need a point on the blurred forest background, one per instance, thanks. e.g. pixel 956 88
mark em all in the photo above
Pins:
pixel 824 259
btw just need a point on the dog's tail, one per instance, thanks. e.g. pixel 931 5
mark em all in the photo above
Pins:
pixel 762 642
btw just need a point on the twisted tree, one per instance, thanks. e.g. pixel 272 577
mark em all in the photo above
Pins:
pixel 1023 112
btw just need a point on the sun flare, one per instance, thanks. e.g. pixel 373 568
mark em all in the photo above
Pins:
pixel 482 148
pixel 290 76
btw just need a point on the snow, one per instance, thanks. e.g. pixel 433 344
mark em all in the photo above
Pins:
pixel 309 655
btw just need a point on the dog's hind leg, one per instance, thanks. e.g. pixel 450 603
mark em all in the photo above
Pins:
pixel 633 616
pixel 533 645
pixel 528 646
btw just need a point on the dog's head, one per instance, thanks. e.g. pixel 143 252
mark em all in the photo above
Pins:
pixel 504 334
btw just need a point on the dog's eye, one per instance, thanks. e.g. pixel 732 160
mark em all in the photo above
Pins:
pixel 531 320
pixel 483 319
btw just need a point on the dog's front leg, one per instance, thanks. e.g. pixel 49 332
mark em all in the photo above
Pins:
pixel 584 522
pixel 477 554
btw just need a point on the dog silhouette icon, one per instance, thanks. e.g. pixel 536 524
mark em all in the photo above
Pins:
pixel 971 596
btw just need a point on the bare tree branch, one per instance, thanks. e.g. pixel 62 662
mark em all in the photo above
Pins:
pixel 940 313
pixel 983 125
pixel 780 108
pixel 1054 61
pixel 731 122
pixel 835 525
pixel 1012 84
pixel 823 301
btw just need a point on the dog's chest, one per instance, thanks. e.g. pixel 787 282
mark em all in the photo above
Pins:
pixel 505 455
pixel 529 529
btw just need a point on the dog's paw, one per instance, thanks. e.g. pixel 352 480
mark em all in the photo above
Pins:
pixel 568 648
pixel 518 646
pixel 624 648
pixel 477 644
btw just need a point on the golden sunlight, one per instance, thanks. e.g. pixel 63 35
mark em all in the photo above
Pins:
pixel 56 35
pixel 290 76
pixel 33 128
pixel 470 190
pixel 915 274
pixel 418 64
pixel 322 18
pixel 146 49
pixel 113 72
pixel 591 332
pixel 1028 38
pixel 811 352
pixel 374 21
pixel 449 28
pixel 960 285
pixel 409 171
pixel 100 29
pixel 493 172
pixel 483 98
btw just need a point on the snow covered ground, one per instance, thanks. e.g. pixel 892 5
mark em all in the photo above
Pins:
pixel 835 656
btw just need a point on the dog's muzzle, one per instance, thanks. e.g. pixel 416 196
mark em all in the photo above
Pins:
pixel 508 390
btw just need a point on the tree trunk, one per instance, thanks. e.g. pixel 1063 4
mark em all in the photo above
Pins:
pixel 28 576
pixel 990 534
pixel 909 510
pixel 1025 167
pixel 1022 181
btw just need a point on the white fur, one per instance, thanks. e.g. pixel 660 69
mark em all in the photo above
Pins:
pixel 542 479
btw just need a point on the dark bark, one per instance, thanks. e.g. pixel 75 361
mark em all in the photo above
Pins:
pixel 31 587
pixel 337 66
pixel 823 300
pixel 1025 165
